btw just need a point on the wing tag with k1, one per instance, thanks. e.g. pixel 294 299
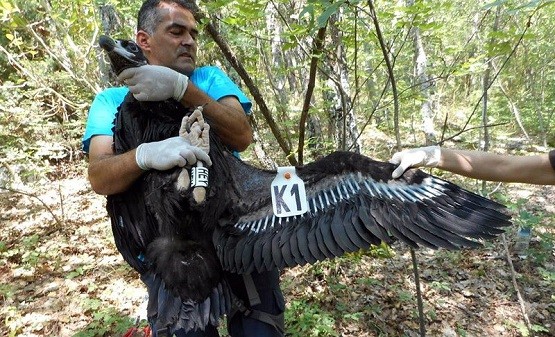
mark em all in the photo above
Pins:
pixel 288 193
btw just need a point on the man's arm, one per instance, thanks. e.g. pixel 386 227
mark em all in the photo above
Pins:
pixel 226 116
pixel 478 165
pixel 494 167
pixel 110 173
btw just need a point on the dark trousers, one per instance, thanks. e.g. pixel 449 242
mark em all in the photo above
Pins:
pixel 239 325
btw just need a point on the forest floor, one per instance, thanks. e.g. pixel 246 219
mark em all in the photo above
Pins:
pixel 60 275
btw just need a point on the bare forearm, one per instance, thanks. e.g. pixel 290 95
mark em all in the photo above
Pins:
pixel 111 174
pixel 226 117
pixel 494 167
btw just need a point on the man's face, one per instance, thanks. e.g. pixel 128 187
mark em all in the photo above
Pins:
pixel 174 42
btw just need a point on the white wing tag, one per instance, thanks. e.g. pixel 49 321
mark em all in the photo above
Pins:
pixel 288 193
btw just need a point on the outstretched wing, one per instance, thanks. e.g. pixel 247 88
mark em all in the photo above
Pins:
pixel 353 203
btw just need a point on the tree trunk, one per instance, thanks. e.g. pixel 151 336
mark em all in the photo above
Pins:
pixel 342 109
pixel 279 80
pixel 485 139
pixel 390 73
pixel 423 81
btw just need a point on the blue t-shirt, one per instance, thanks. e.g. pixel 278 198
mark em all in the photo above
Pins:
pixel 212 80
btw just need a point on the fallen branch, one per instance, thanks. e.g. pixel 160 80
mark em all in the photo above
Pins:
pixel 34 196
pixel 515 284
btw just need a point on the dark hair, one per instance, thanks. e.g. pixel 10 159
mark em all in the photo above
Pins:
pixel 148 17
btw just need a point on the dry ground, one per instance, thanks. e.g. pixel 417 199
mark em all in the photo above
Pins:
pixel 61 277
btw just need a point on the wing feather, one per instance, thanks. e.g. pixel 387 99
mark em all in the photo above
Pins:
pixel 354 204
pixel 365 234
pixel 317 229
pixel 277 257
pixel 352 231
pixel 370 223
pixel 339 233
pixel 303 242
pixel 327 236
pixel 294 244
pixel 285 246
pixel 313 244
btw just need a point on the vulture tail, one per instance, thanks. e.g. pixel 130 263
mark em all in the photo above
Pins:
pixel 170 313
pixel 189 269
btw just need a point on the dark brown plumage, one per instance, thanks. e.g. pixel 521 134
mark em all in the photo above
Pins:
pixel 352 201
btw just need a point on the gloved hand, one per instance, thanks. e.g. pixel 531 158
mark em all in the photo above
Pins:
pixel 168 153
pixel 154 83
pixel 427 156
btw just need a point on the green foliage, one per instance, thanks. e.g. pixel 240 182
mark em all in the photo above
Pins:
pixel 10 321
pixel 524 218
pixel 542 251
pixel 525 331
pixel 381 251
pixel 106 321
pixel 25 253
pixel 305 319
pixel 51 76
pixel 441 286
pixel 6 291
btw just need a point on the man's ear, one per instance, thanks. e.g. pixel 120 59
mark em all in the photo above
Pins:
pixel 142 39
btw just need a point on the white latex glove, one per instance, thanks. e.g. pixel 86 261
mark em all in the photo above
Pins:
pixel 154 83
pixel 427 156
pixel 168 153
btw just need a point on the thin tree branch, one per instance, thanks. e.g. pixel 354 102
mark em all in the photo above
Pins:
pixel 34 196
pixel 521 300
pixel 253 89
pixel 390 72
pixel 318 45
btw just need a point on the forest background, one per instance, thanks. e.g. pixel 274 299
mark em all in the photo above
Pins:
pixel 366 76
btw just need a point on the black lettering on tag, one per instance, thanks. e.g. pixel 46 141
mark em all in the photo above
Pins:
pixel 295 192
pixel 278 194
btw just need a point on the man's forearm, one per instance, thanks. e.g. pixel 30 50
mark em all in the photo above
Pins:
pixel 494 167
pixel 226 116
pixel 111 174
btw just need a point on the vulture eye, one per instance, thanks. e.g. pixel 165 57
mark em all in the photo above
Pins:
pixel 132 48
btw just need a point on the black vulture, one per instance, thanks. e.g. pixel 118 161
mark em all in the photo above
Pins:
pixel 181 246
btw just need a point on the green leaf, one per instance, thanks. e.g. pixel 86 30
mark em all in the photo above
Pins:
pixel 325 16
pixel 495 4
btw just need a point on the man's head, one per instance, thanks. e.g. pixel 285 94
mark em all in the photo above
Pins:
pixel 167 33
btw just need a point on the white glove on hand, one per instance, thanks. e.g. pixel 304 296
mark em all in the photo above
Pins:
pixel 154 83
pixel 427 156
pixel 168 153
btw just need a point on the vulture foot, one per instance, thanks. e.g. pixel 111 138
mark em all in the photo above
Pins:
pixel 197 132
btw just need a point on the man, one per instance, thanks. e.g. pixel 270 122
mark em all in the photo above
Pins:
pixel 167 33
pixel 538 169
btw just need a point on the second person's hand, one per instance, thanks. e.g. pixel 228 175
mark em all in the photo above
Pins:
pixel 427 156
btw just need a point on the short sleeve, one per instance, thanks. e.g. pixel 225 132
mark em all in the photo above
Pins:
pixel 102 112
pixel 216 84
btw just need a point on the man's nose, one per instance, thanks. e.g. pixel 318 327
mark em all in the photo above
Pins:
pixel 187 39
